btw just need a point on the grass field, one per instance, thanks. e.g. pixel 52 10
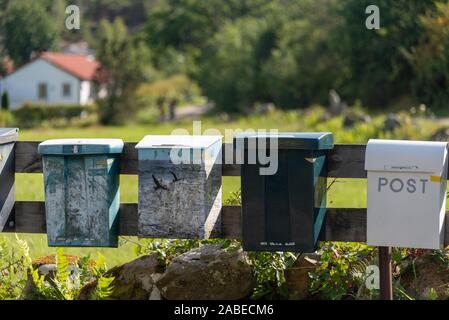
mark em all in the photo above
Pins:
pixel 344 193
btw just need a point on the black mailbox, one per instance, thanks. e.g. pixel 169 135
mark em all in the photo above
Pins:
pixel 8 137
pixel 283 211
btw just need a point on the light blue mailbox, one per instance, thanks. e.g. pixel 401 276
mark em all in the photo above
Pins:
pixel 82 191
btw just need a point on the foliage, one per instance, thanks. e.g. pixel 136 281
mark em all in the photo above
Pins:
pixel 269 268
pixel 293 52
pixel 228 69
pixel 430 57
pixel 33 115
pixel 69 278
pixel 27 28
pixel 376 70
pixel 16 269
pixel 13 269
pixel 159 93
pixel 6 118
pixel 302 67
pixel 341 270
pixel 123 68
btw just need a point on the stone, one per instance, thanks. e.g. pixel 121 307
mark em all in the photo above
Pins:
pixel 392 121
pixel 208 273
pixel 351 119
pixel 265 108
pixel 134 280
pixel 336 106
pixel 441 134
pixel 297 278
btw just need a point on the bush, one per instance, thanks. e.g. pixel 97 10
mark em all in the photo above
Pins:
pixel 6 118
pixel 157 95
pixel 31 115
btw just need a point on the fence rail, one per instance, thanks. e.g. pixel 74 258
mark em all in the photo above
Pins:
pixel 342 224
pixel 344 161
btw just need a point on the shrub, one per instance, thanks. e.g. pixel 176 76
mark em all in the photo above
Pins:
pixel 6 118
pixel 341 270
pixel 158 94
pixel 33 115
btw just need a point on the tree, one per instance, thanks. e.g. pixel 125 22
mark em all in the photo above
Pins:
pixel 27 29
pixel 183 28
pixel 430 58
pixel 377 70
pixel 303 66
pixel 228 68
pixel 124 65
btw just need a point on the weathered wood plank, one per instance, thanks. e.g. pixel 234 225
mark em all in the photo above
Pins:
pixel 28 160
pixel 344 161
pixel 342 224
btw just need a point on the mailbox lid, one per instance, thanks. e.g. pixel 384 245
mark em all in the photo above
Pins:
pixel 8 135
pixel 177 141
pixel 294 140
pixel 405 156
pixel 81 146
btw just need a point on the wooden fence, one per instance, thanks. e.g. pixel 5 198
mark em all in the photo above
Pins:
pixel 341 224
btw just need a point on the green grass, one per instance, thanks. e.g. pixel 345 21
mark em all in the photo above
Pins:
pixel 343 193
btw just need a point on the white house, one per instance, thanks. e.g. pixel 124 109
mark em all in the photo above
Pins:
pixel 52 78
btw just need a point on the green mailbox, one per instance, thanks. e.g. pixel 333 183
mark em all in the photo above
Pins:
pixel 82 191
pixel 283 211
pixel 8 137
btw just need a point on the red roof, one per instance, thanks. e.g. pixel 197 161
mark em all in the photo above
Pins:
pixel 80 66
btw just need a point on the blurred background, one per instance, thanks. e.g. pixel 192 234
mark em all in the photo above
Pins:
pixel 137 67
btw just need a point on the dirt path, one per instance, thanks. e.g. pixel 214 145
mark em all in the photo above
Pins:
pixel 192 111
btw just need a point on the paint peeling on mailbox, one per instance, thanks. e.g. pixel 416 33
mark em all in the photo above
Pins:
pixel 406 193
pixel 8 137
pixel 284 211
pixel 82 191
pixel 179 186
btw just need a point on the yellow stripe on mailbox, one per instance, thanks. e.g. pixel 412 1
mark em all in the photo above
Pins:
pixel 435 178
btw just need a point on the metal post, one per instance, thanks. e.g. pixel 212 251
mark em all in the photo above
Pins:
pixel 386 273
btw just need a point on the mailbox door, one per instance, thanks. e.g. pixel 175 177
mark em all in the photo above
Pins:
pixel 81 200
pixel 278 210
pixel 406 193
pixel 7 194
pixel 171 199
pixel 405 210
pixel 179 200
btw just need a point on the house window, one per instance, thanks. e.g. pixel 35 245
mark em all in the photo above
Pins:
pixel 42 91
pixel 66 89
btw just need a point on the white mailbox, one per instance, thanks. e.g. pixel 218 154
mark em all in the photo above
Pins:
pixel 406 193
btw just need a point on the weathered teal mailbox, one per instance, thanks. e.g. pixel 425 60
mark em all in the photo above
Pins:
pixel 82 191
pixel 283 208
pixel 8 137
